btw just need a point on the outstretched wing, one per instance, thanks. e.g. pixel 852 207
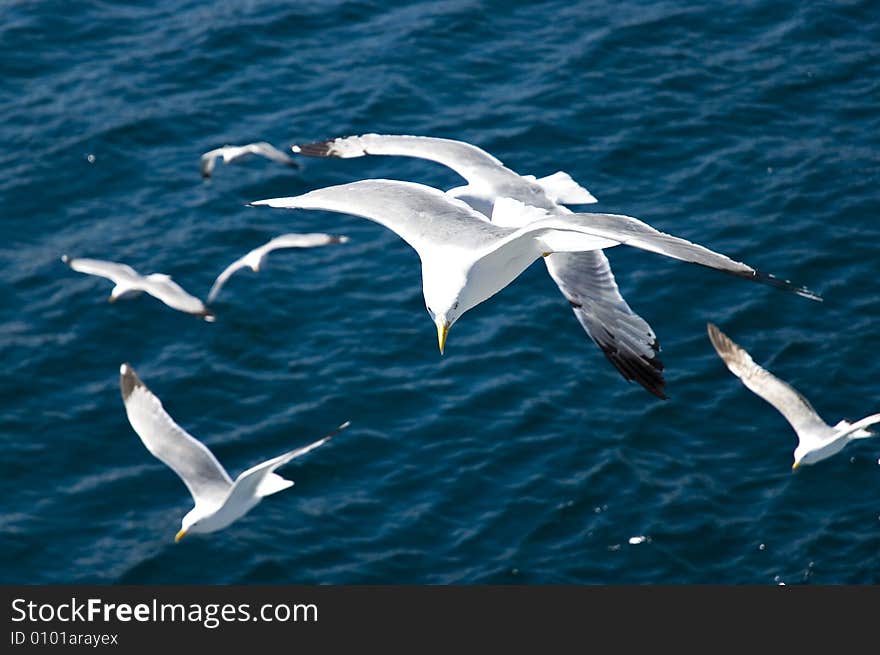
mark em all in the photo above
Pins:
pixel 271 152
pixel 565 232
pixel 208 161
pixel 109 270
pixel 206 479
pixel 238 264
pixel 474 164
pixel 260 480
pixel 629 343
pixel 255 256
pixel 296 240
pixel 420 215
pixel 792 405
pixel 163 288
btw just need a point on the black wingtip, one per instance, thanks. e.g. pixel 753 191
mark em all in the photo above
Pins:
pixel 722 343
pixel 128 380
pixel 647 371
pixel 785 285
pixel 339 429
pixel 316 149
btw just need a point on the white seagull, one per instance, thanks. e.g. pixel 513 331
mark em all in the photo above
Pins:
pixel 230 154
pixel 816 439
pixel 254 259
pixel 218 500
pixel 129 283
pixel 466 260
pixel 584 278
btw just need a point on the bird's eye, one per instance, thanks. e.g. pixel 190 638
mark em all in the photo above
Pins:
pixel 430 311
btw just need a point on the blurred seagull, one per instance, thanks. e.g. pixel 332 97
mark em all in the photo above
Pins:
pixel 130 283
pixel 466 259
pixel 234 153
pixel 218 500
pixel 816 439
pixel 254 259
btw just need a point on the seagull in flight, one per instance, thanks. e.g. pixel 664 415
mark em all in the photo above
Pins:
pixel 131 283
pixel 466 259
pixel 254 259
pixel 219 501
pixel 816 439
pixel 230 154
pixel 585 278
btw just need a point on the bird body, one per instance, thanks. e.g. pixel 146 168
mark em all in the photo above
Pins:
pixel 230 154
pixel 816 439
pixel 218 500
pixel 128 282
pixel 584 278
pixel 466 260
pixel 254 259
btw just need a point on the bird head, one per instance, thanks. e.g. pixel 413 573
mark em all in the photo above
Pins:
pixel 799 453
pixel 191 522
pixel 450 291
pixel 444 311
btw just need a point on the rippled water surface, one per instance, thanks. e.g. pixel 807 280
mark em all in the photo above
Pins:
pixel 520 456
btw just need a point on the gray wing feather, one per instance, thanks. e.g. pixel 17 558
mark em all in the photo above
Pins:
pixel 786 399
pixel 271 152
pixel 109 270
pixel 297 240
pixel 469 161
pixel 163 288
pixel 420 215
pixel 239 263
pixel 248 482
pixel 200 471
pixel 638 234
pixel 626 339
pixel 207 163
pixel 290 240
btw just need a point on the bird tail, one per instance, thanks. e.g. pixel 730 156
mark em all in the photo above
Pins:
pixel 562 188
pixel 858 430
pixel 272 484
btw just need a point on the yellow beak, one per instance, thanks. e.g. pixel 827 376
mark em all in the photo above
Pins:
pixel 794 466
pixel 180 535
pixel 442 331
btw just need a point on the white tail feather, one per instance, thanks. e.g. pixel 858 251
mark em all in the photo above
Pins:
pixel 560 187
pixel 272 484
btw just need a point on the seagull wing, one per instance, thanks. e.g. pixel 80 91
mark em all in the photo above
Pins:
pixel 206 479
pixel 474 164
pixel 564 233
pixel 255 256
pixel 296 240
pixel 858 430
pixel 424 217
pixel 260 480
pixel 271 152
pixel 110 270
pixel 792 405
pixel 163 288
pixel 629 343
pixel 238 264
pixel 208 161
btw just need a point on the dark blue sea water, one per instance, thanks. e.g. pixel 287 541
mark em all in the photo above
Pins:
pixel 521 456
